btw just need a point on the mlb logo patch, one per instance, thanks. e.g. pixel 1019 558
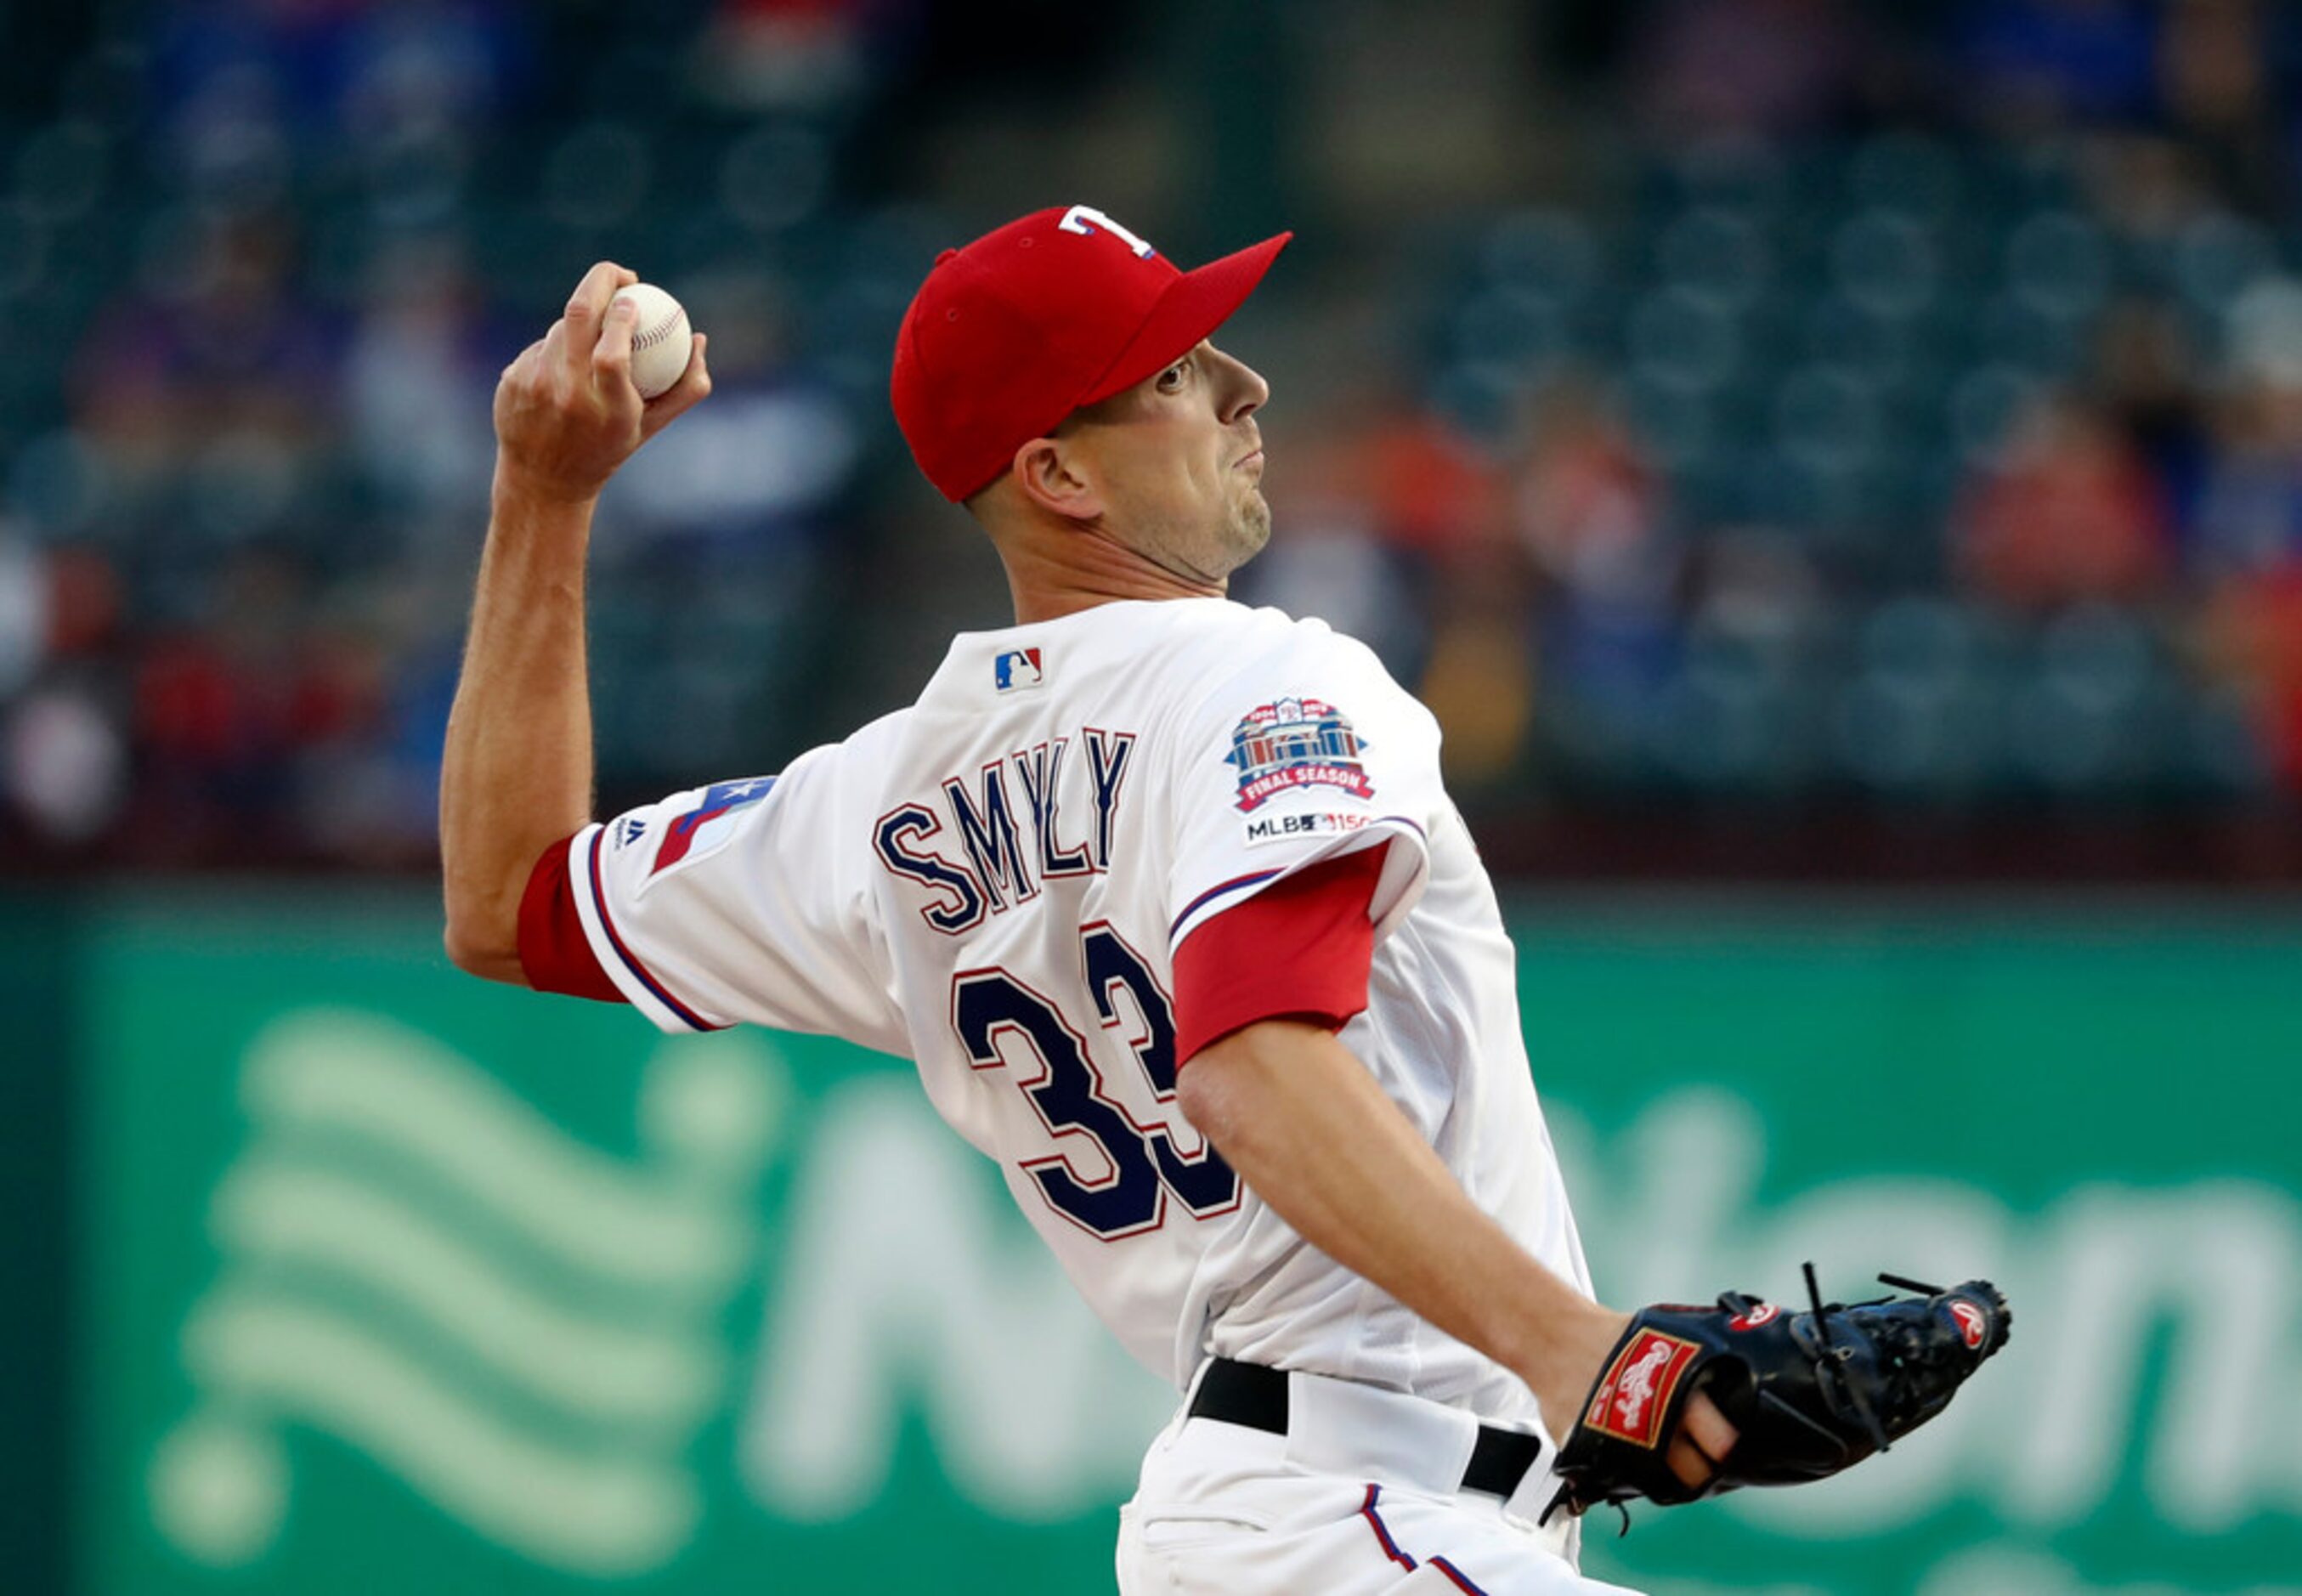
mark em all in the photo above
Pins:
pixel 1017 669
pixel 710 823
pixel 1295 743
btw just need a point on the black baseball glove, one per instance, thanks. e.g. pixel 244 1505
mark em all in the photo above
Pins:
pixel 1809 1393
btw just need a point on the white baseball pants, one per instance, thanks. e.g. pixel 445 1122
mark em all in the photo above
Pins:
pixel 1358 1498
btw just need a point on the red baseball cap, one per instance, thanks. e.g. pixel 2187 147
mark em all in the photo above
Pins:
pixel 1025 325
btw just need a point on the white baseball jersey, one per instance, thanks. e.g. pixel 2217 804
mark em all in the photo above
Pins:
pixel 991 883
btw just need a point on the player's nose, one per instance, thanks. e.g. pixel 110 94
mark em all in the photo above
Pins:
pixel 1241 388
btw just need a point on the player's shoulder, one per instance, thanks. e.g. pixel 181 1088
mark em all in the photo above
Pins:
pixel 1206 642
pixel 1267 650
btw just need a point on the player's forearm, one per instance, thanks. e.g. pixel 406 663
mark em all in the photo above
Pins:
pixel 516 772
pixel 1308 1129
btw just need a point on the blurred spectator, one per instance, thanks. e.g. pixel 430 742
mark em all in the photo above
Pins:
pixel 2252 637
pixel 82 603
pixel 2028 66
pixel 2249 519
pixel 1590 512
pixel 418 384
pixel 24 609
pixel 63 762
pixel 223 345
pixel 2214 70
pixel 1589 506
pixel 1759 68
pixel 757 469
pixel 2148 376
pixel 2068 511
pixel 1327 556
pixel 803 56
pixel 1434 497
pixel 239 87
pixel 215 707
pixel 2246 556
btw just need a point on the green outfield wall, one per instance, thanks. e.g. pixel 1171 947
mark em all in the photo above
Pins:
pixel 385 1279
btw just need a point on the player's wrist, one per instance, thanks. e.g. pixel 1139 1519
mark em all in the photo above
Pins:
pixel 1561 1355
pixel 521 485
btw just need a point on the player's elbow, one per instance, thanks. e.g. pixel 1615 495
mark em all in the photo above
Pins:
pixel 1199 1093
pixel 478 948
pixel 1222 1088
pixel 1235 1088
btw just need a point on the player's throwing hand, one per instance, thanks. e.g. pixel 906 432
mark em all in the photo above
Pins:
pixel 566 412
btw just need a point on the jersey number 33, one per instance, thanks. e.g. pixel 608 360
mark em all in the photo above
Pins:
pixel 1070 1093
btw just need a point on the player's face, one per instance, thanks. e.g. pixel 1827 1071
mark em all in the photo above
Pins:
pixel 1177 462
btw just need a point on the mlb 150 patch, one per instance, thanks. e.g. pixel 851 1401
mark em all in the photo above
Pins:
pixel 1290 827
pixel 1295 743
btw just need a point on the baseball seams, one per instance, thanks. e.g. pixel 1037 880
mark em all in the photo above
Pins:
pixel 661 341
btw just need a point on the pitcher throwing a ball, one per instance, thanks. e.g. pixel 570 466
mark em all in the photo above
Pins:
pixel 1164 897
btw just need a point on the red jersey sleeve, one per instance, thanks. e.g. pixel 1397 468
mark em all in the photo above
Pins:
pixel 1301 948
pixel 553 949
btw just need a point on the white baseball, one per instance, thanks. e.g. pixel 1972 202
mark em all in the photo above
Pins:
pixel 660 341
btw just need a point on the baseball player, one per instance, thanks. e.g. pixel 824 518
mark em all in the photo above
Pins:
pixel 1165 899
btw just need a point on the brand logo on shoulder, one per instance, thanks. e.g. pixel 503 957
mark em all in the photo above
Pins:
pixel 1636 1391
pixel 1973 1323
pixel 1017 669
pixel 1765 1313
pixel 1295 743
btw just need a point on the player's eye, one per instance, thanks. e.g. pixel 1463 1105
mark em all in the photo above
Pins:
pixel 1171 381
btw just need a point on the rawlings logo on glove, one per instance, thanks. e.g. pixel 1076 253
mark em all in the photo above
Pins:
pixel 1808 1394
pixel 1634 1393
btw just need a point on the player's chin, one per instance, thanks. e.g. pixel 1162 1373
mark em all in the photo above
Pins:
pixel 1250 513
pixel 1252 526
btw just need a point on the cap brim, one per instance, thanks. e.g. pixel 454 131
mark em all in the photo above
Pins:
pixel 1191 308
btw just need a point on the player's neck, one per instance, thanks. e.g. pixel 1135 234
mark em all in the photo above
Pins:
pixel 1050 577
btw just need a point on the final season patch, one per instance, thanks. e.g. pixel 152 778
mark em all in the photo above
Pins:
pixel 1295 743
pixel 710 823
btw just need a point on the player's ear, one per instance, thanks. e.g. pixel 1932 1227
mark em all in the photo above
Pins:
pixel 1050 475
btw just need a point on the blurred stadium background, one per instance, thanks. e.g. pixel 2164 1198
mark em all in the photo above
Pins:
pixel 1836 468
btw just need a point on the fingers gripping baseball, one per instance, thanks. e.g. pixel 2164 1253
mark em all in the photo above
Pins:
pixel 566 413
pixel 694 386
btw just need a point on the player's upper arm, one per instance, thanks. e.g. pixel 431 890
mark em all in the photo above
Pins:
pixel 1307 752
pixel 742 901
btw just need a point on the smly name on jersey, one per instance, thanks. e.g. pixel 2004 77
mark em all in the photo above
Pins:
pixel 983 844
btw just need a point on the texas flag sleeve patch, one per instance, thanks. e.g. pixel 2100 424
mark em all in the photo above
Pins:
pixel 704 829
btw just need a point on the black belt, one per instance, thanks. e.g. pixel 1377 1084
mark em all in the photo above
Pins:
pixel 1248 1394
